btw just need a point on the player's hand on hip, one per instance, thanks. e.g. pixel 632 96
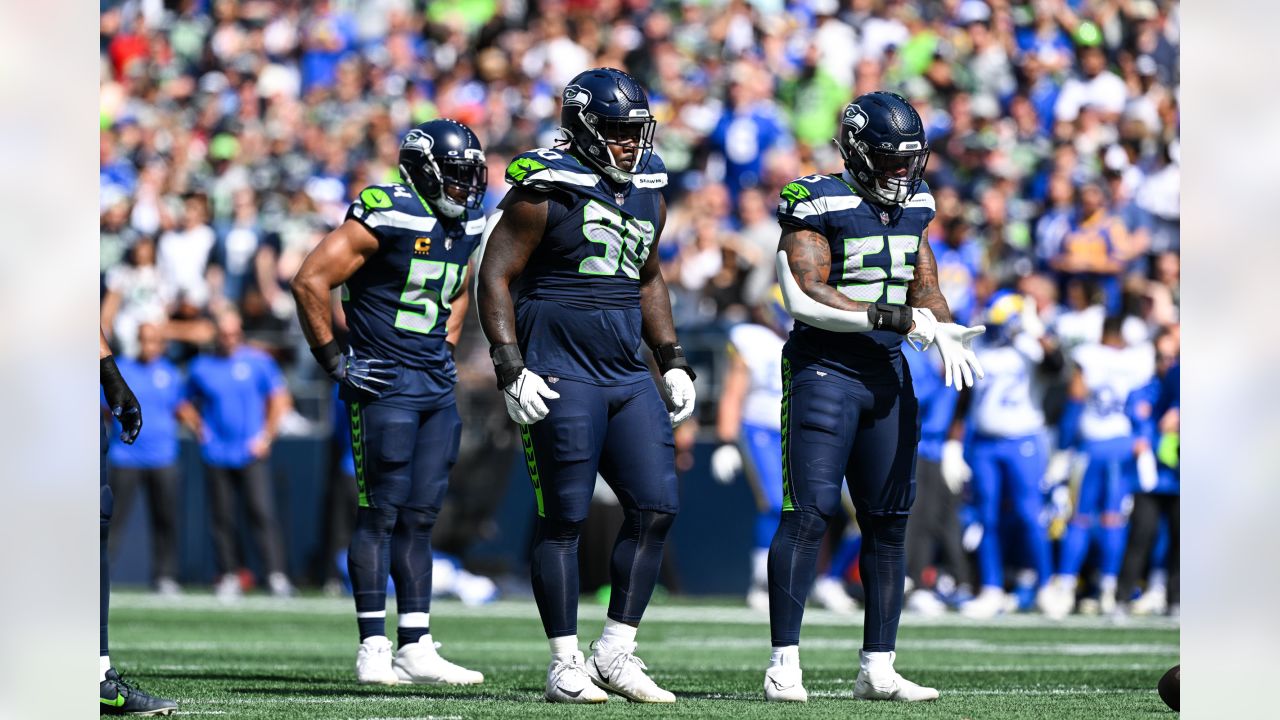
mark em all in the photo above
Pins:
pixel 524 397
pixel 369 375
pixel 955 343
pixel 123 403
pixel 726 463
pixel 680 387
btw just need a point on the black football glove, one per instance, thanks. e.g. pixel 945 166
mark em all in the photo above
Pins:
pixel 368 375
pixel 124 405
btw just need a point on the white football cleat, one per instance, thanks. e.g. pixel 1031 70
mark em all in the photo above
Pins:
pixel 829 592
pixel 616 668
pixel 1057 597
pixel 758 598
pixel 784 683
pixel 568 682
pixel 373 662
pixel 1152 602
pixel 419 664
pixel 926 603
pixel 989 603
pixel 887 684
pixel 228 588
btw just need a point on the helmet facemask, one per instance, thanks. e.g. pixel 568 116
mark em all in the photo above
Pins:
pixel 890 176
pixel 599 132
pixel 442 183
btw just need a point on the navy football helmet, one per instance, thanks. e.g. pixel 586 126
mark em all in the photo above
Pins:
pixel 605 105
pixel 440 155
pixel 882 140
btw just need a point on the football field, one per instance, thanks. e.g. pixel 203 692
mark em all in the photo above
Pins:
pixel 293 659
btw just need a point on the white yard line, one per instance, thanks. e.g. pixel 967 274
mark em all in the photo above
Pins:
pixel 525 610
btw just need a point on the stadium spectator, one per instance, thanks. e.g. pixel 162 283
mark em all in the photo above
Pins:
pixel 151 462
pixel 235 399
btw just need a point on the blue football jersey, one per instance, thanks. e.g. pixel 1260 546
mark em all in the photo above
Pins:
pixel 578 300
pixel 873 258
pixel 398 302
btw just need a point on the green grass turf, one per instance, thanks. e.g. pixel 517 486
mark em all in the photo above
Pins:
pixel 279 659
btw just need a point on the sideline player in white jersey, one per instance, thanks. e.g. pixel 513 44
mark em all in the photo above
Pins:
pixel 1008 450
pixel 749 423
pixel 1097 421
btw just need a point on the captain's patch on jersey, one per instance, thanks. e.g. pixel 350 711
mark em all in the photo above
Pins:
pixel 375 198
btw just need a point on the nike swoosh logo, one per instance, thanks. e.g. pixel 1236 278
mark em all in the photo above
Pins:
pixel 574 693
pixel 118 702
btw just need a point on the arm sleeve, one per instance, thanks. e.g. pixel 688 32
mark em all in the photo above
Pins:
pixel 810 311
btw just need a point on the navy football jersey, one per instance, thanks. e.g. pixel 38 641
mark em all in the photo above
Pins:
pixel 578 300
pixel 873 257
pixel 398 302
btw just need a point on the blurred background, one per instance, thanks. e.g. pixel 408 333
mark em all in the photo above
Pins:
pixel 234 135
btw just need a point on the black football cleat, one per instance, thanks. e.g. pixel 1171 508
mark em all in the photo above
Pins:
pixel 117 697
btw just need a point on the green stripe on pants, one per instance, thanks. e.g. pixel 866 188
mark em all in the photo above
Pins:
pixel 786 436
pixel 357 449
pixel 531 462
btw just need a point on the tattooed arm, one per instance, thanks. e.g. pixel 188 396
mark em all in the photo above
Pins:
pixel 923 291
pixel 803 264
pixel 809 260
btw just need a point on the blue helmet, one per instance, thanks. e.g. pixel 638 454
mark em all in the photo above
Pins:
pixel 445 154
pixel 1003 316
pixel 881 138
pixel 606 105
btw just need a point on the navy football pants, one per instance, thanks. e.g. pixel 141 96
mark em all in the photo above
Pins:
pixel 833 428
pixel 623 433
pixel 403 458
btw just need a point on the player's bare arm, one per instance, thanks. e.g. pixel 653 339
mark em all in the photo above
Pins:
pixel 809 259
pixel 330 264
pixel 458 305
pixel 923 291
pixel 514 238
pixel 655 301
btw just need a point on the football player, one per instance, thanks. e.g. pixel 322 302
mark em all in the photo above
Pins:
pixel 858 276
pixel 115 696
pixel 1008 450
pixel 578 229
pixel 402 257
pixel 747 424
pixel 1097 419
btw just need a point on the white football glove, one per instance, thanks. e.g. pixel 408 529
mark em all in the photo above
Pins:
pixel 726 463
pixel 1058 471
pixel 680 387
pixel 955 343
pixel 955 471
pixel 924 330
pixel 1030 320
pixel 524 398
pixel 1148 476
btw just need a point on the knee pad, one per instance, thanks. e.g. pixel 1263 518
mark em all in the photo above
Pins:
pixel 378 520
pixel 651 523
pixel 108 500
pixel 804 525
pixel 559 530
pixel 891 529
pixel 418 519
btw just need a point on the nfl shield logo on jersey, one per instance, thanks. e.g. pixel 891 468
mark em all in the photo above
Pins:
pixel 884 217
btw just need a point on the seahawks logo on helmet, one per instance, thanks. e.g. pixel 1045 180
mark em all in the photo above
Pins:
pixel 420 139
pixel 576 95
pixel 855 118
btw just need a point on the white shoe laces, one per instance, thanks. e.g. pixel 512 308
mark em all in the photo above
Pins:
pixel 619 661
